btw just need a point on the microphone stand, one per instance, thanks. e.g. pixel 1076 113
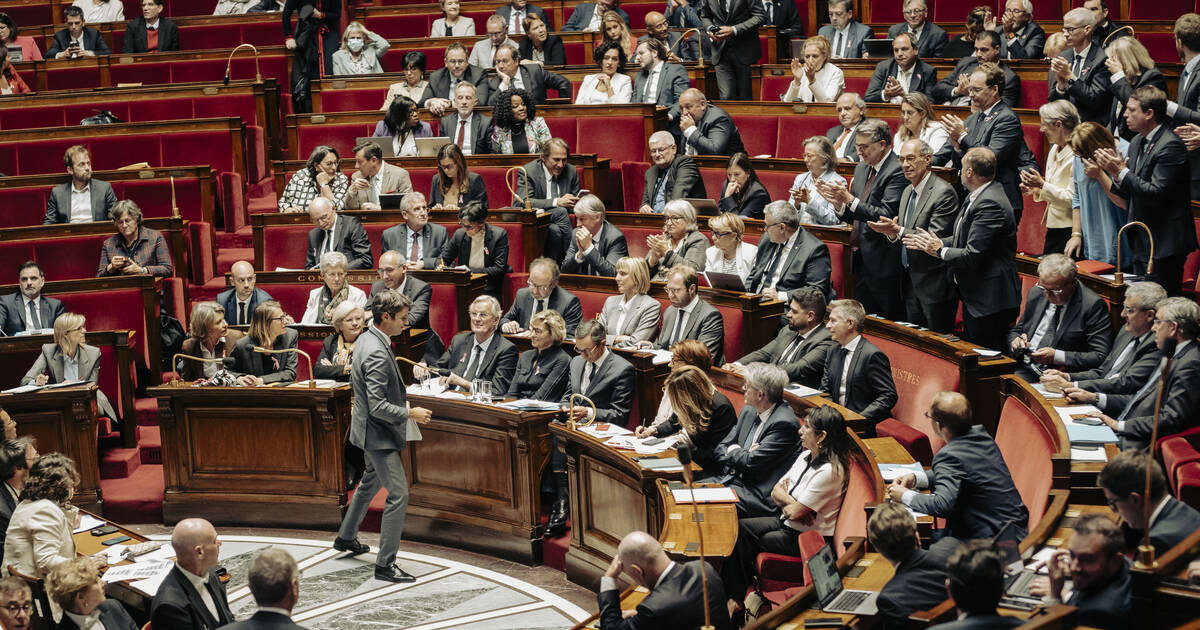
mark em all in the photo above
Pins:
pixel 174 205
pixel 178 382
pixel 685 457
pixel 312 378
pixel 699 45
pixel 571 424
pixel 1118 275
pixel 229 62
pixel 513 189
pixel 1145 552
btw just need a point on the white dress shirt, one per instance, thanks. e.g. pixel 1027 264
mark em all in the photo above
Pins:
pixel 589 94
pixel 32 309
pixel 650 94
pixel 681 324
pixel 81 204
pixel 850 348
pixel 199 583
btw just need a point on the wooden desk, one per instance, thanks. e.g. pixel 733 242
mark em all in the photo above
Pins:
pixel 1163 604
pixel 86 545
pixel 887 450
pixel 679 536
pixel 63 419
pixel 254 455
pixel 475 478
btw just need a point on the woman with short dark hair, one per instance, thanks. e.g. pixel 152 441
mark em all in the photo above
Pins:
pixel 10 81
pixel 452 23
pixel 743 194
pixel 320 177
pixel 414 83
pixel 611 84
pixel 403 125
pixel 539 45
pixel 10 36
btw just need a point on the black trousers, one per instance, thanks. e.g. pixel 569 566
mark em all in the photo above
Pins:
pixel 1168 272
pixel 936 316
pixel 733 80
pixel 756 535
pixel 989 331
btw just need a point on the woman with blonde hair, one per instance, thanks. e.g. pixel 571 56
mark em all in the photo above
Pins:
pixel 631 315
pixel 685 352
pixel 616 31
pixel 917 120
pixel 1064 233
pixel 543 370
pixel 729 253
pixel 680 243
pixel 1101 213
pixel 337 350
pixel 267 330
pixel 702 413
pixel 76 587
pixel 211 338
pixel 821 161
pixel 1131 68
pixel 814 79
pixel 69 359
pixel 360 52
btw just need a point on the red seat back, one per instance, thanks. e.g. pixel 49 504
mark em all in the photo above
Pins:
pixel 1034 92
pixel 633 175
pixel 619 138
pixel 793 130
pixel 97 307
pixel 285 246
pixel 758 132
pixel 860 492
pixel 918 376
pixel 1160 9
pixel 1027 448
pixel 1161 46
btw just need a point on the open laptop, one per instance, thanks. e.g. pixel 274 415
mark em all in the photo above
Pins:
pixel 15 53
pixel 878 47
pixel 704 207
pixel 727 281
pixel 1016 577
pixel 391 201
pixel 384 143
pixel 429 147
pixel 831 596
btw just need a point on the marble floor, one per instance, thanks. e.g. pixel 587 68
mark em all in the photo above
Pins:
pixel 454 589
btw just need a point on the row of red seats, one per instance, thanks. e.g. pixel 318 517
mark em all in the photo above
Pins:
pixel 37 14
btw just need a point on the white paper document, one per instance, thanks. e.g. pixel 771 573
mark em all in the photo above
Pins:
pixel 1088 455
pixel 23 389
pixel 137 571
pixel 608 430
pixel 661 357
pixel 984 352
pixel 892 471
pixel 86 522
pixel 704 495
pixel 1047 394
pixel 802 390
pixel 528 404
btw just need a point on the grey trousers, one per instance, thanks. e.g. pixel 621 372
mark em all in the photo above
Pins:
pixel 384 469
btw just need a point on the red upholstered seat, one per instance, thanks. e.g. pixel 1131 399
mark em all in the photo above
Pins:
pixel 857 84
pixel 793 130
pixel 338 136
pixel 1160 9
pixel 1187 484
pixel 913 441
pixel 774 87
pixel 634 176
pixel 778 574
pixel 836 272
pixel 350 100
pixel 888 12
pixel 619 138
pixel 96 306
pixel 1176 451
pixel 1031 232
pixel 954 11
pixel 313 348
pixel 714 181
pixel 1192 264
pixel 1027 449
pixel 285 246
pixel 70 258
pixel 1161 46
pixel 1034 93
pixel 776 183
pixel 918 376
pixel 758 133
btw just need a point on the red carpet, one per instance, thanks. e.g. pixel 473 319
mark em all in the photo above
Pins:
pixel 137 498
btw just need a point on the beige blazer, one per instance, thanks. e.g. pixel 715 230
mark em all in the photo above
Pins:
pixel 1059 190
pixel 395 180
pixel 39 539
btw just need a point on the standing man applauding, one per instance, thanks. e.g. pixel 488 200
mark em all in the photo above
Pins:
pixel 380 426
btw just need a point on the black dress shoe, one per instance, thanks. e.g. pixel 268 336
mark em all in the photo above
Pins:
pixel 353 546
pixel 393 573
pixel 556 524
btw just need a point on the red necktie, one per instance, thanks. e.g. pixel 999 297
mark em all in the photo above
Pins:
pixel 462 130
pixel 415 255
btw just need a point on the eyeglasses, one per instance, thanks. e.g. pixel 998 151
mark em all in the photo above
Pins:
pixel 1014 11
pixel 15 608
pixel 767 226
pixel 914 12
pixel 671 218
pixel 275 319
pixel 1052 291
pixel 1067 30
pixel 717 234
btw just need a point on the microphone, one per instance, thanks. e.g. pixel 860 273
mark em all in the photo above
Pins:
pixel 512 188
pixel 178 382
pixel 1118 275
pixel 229 62
pixel 431 369
pixel 1145 551
pixel 684 452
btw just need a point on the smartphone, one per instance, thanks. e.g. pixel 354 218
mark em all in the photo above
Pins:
pixel 824 622
pixel 583 191
pixel 113 541
pixel 104 531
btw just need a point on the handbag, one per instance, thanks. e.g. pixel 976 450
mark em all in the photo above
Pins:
pixel 103 117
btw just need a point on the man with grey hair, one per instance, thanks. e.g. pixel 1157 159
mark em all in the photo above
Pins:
pixel 596 245
pixel 542 293
pixel 483 53
pixel 1065 323
pixel 550 184
pixel 1079 73
pixel 1133 357
pixel 417 240
pixel 1175 329
pixel 192 596
pixel 16 604
pixel 850 108
pixel 858 375
pixel 464 126
pixel 789 257
pixel 394 275
pixel 930 38
pixel 875 193
pixel 1022 37
pixel 928 203
pixel 676 597
pixel 763 444
pixel 381 424
pixel 275 583
pixel 670 176
pixel 479 353
pixel 336 233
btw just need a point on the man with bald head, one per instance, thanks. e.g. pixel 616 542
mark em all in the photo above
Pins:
pixel 676 593
pixel 192 596
pixel 240 301
pixel 707 129
pixel 970 485
pixel 393 274
pixel 657 28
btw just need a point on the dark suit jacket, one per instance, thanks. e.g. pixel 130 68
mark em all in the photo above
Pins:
pixel 12 312
pixel 785 18
pixel 541 375
pixel 1175 522
pixel 505 11
pixel 419 292
pixel 932 41
pixel 457 251
pixel 704 324
pixel 1157 181
pixel 808 264
pixel 112 615
pixel 1102 31
pixel 971 488
pixel 1090 92
pixel 745 16
pixel 715 132
pixel 439 84
pixel 854 45
pixel 193 370
pixel 943 92
pixel 672 81
pixel 433 239
pixel 476 191
pixel 675 603
pixel 58 205
pixel 608 247
pixel 1122 89
pixel 263 620
pixel 91 40
pixel 7 505
pixel 553 52
pixel 807 364
pixel 1084 330
pixel 1109 604
pixel 683 181
pixel 1131 373
pixel 582 15
pixel 752 202
pixel 835 132
pixel 871 391
pixel 478 129
pixel 918 584
pixel 560 300
pixel 536 81
pixel 935 211
pixel 1189 112
pixel 880 266
pixel 1001 132
pixel 754 467
pixel 228 300
pixel 1028 45
pixel 136 36
pixel 981 256
pixel 1180 407
pixel 610 388
pixel 687 51
pixel 567 182
pixel 244 360
pixel 924 77
pixel 349 238
pixel 498 364
pixel 177 605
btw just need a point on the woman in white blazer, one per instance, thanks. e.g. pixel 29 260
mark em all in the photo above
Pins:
pixel 69 359
pixel 39 533
pixel 632 315
pixel 815 80
pixel 1064 224
pixel 454 24
pixel 611 84
pixel 729 253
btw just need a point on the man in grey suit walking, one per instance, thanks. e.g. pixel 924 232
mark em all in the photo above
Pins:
pixel 379 425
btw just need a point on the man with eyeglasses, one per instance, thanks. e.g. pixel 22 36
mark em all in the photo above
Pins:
pixel 952 90
pixel 542 293
pixel 336 233
pixel 1022 38
pixel 1079 73
pixel 483 53
pixel 440 92
pixel 844 32
pixel 1101 584
pixel 928 37
pixel 671 176
pixel 789 257
pixel 1064 324
pixel 658 29
pixel 1176 326
pixel 16 604
pixel 393 274
pixel 480 353
pixel 418 241
pixel 1123 481
pixel 689 316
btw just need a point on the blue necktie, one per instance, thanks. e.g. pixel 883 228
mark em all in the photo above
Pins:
pixel 906 219
pixel 1150 383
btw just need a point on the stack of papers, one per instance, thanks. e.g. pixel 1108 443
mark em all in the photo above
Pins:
pixel 137 571
pixel 704 495
pixel 1047 394
pixel 1083 433
pixel 320 382
pixel 639 446
pixel 662 464
pixel 801 390
pixel 891 472
pixel 984 352
pixel 1093 454
pixel 529 404
pixel 33 388
pixel 604 430
pixel 86 522
pixel 661 357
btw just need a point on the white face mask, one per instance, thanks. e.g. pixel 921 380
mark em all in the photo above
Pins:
pixel 355 44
